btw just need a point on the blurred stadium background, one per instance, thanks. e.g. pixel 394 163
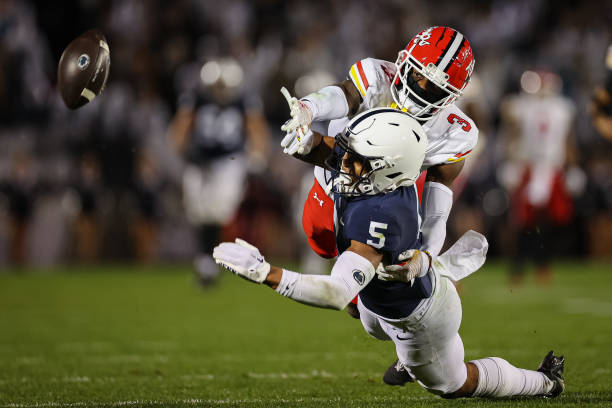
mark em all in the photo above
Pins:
pixel 104 184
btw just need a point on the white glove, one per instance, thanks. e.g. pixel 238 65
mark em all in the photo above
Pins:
pixel 243 259
pixel 416 263
pixel 301 115
pixel 298 127
pixel 298 142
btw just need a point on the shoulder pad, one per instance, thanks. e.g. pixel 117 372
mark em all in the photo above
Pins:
pixel 452 137
pixel 371 74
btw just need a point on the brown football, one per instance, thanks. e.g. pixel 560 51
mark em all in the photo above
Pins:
pixel 83 69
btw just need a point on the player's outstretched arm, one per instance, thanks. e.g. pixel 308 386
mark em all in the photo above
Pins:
pixel 331 102
pixel 353 270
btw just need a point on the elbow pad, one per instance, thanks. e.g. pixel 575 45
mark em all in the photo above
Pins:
pixel 437 203
pixel 351 273
pixel 328 103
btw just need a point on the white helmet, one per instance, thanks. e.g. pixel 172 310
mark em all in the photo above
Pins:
pixel 389 143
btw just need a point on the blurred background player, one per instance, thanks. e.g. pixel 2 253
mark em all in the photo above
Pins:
pixel 153 41
pixel 20 191
pixel 87 188
pixel 144 228
pixel 213 123
pixel 539 124
pixel 601 107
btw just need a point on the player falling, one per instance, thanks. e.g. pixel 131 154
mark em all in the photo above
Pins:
pixel 428 76
pixel 426 79
pixel 374 165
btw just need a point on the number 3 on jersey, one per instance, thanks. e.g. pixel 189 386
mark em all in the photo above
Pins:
pixel 377 234
pixel 465 125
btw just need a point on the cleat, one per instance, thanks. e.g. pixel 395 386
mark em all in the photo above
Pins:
pixel 397 374
pixel 552 367
pixel 352 310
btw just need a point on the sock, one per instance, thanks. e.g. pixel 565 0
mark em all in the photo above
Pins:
pixel 498 378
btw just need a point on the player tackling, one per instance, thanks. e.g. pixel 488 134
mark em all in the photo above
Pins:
pixel 426 79
pixel 428 76
pixel 374 165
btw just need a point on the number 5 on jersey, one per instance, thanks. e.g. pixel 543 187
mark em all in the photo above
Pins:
pixel 377 234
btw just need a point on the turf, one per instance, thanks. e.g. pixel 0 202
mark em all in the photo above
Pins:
pixel 147 336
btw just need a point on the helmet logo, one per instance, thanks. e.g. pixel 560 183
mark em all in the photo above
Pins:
pixel 83 61
pixel 470 68
pixel 423 37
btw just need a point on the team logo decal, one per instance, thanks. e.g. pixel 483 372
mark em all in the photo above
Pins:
pixel 320 201
pixel 83 61
pixel 423 37
pixel 470 68
pixel 358 276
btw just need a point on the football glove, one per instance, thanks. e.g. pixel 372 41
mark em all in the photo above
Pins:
pixel 298 142
pixel 301 115
pixel 415 264
pixel 298 127
pixel 242 259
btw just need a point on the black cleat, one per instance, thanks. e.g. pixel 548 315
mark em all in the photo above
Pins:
pixel 552 367
pixel 396 374
pixel 352 310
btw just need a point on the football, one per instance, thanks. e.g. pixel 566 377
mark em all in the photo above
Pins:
pixel 83 69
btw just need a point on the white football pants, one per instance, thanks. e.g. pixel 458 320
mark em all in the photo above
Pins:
pixel 427 342
pixel 212 194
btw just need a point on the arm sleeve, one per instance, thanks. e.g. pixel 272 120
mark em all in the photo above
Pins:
pixel 437 203
pixel 327 103
pixel 351 273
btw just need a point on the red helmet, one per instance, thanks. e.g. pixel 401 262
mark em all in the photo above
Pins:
pixel 445 58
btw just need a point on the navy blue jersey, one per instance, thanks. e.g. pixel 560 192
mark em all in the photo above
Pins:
pixel 218 130
pixel 390 224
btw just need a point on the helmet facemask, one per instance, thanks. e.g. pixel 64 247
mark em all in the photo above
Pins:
pixel 345 181
pixel 421 104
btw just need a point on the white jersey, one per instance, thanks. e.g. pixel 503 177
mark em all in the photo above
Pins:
pixel 451 134
pixel 545 122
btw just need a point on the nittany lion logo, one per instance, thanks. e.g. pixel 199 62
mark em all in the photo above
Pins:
pixel 83 61
pixel 358 276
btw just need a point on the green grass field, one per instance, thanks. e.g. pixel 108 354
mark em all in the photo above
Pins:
pixel 138 336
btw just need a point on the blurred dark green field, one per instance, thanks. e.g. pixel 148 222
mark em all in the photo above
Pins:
pixel 138 336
